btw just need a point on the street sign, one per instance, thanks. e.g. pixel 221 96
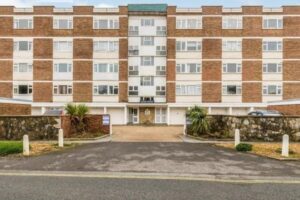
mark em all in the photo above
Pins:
pixel 105 120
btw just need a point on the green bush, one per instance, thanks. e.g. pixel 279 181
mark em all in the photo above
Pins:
pixel 10 147
pixel 244 147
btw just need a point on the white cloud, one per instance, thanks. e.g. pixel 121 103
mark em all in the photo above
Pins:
pixel 16 3
pixel 105 5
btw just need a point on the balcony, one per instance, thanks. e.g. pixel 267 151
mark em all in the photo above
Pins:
pixel 147 100
pixel 133 52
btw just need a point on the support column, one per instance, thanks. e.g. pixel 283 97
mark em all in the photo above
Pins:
pixel 251 109
pixel 125 115
pixel 209 110
pixel 43 110
pixel 105 110
pixel 168 115
pixel 230 110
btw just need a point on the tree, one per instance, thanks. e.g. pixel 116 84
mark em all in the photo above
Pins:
pixel 77 114
pixel 198 117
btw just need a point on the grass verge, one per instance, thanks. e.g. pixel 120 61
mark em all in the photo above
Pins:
pixel 10 147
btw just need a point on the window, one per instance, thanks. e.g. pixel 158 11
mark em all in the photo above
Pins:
pixel 232 68
pixel 232 89
pixel 133 70
pixel 106 89
pixel 147 80
pixel 23 23
pixel 62 89
pixel 106 68
pixel 160 90
pixel 188 46
pixel 23 46
pixel 133 30
pixel 133 50
pixel 188 23
pixel 147 60
pixel 161 30
pixel 188 90
pixel 232 46
pixel 63 67
pixel 232 23
pixel 22 67
pixel 63 46
pixel 272 67
pixel 63 23
pixel 271 23
pixel 147 41
pixel 272 90
pixel 272 46
pixel 161 50
pixel 188 68
pixel 106 24
pixel 160 70
pixel 133 90
pixel 106 46
pixel 147 22
pixel 22 89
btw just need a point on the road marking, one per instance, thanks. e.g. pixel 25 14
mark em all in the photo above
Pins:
pixel 118 175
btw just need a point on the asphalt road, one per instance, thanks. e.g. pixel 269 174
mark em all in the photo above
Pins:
pixel 78 188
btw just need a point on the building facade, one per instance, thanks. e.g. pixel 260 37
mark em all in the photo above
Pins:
pixel 149 63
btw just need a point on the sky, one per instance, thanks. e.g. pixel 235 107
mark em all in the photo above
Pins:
pixel 179 3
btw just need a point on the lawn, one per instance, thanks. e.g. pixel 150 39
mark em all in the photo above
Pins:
pixel 10 147
pixel 272 150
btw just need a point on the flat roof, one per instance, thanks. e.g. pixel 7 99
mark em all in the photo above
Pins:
pixel 147 7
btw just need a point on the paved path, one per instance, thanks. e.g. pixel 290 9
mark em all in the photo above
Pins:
pixel 49 188
pixel 147 133
pixel 171 158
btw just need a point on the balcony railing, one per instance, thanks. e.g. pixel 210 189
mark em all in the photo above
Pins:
pixel 133 52
pixel 63 10
pixel 23 10
pixel 107 10
pixel 161 53
pixel 147 100
pixel 161 33
pixel 133 33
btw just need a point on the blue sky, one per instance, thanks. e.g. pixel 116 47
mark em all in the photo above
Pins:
pixel 179 3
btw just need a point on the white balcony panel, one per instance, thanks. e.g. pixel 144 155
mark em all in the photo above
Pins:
pixel 147 91
pixel 105 76
pixel 22 76
pixel 272 76
pixel 267 98
pixel 23 97
pixel 63 98
pixel 232 55
pixel 106 98
pixel 272 55
pixel 232 98
pixel 232 76
pixel 189 99
pixel 188 77
pixel 189 55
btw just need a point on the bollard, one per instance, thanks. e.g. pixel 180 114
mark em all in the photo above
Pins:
pixel 61 138
pixel 285 146
pixel 25 145
pixel 110 129
pixel 237 137
pixel 184 129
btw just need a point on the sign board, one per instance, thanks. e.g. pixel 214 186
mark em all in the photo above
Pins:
pixel 105 120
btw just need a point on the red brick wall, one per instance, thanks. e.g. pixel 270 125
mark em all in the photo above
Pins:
pixel 293 109
pixel 10 109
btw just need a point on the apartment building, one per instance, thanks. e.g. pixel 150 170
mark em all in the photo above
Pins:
pixel 149 63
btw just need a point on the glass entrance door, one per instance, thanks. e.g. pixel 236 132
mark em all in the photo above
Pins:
pixel 160 115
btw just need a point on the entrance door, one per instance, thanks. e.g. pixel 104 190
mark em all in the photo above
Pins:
pixel 133 115
pixel 160 115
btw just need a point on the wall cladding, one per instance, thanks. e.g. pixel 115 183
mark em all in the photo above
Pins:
pixel 36 127
pixel 254 128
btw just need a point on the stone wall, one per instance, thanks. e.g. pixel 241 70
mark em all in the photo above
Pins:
pixel 36 127
pixel 253 128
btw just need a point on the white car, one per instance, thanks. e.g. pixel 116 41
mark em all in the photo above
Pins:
pixel 265 113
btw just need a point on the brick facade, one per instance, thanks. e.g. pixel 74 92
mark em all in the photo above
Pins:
pixel 10 109
pixel 82 92
pixel 42 92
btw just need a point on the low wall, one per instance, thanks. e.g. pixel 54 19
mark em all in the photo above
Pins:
pixel 254 128
pixel 36 127
pixel 292 109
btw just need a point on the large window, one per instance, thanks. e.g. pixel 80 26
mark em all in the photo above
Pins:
pixel 147 22
pixel 23 46
pixel 63 46
pixel 160 90
pixel 272 67
pixel 133 30
pixel 106 68
pixel 106 46
pixel 147 80
pixel 188 23
pixel 22 67
pixel 133 90
pixel 272 23
pixel 161 30
pixel 106 24
pixel 232 22
pixel 188 46
pixel 232 46
pixel 63 67
pixel 22 89
pixel 272 89
pixel 272 46
pixel 189 90
pixel 66 23
pixel 147 60
pixel 133 70
pixel 188 68
pixel 62 90
pixel 147 41
pixel 232 89
pixel 160 70
pixel 106 89
pixel 232 68
pixel 23 23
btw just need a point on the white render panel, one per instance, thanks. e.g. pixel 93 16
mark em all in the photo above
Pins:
pixel 232 98
pixel 22 76
pixel 272 76
pixel 267 98
pixel 106 98
pixel 62 98
pixel 188 99
pixel 232 76
pixel 188 77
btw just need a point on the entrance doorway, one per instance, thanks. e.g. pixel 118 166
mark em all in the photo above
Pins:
pixel 160 115
pixel 133 114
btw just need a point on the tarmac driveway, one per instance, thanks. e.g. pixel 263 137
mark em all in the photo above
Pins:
pixel 177 158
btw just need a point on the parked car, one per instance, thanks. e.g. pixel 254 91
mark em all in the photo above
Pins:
pixel 265 113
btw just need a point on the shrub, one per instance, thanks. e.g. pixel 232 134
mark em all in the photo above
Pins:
pixel 198 117
pixel 77 114
pixel 10 147
pixel 244 147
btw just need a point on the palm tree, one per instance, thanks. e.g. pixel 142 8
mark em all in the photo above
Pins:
pixel 77 114
pixel 198 117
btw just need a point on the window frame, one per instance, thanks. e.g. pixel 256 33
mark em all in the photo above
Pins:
pixel 17 68
pixel 149 62
pixel 188 90
pixel 143 22
pixel 108 46
pixel 160 90
pixel 279 46
pixel 17 46
pixel 110 24
pixel 110 67
pixel 111 90
pixel 265 90
pixel 68 89
pixel 278 68
pixel 185 68
pixel 227 20
pixel 147 80
pixel 57 67
pixel 238 67
pixel 266 23
pixel 225 45
pixel 30 23
pixel 184 45
pixel 58 44
pixel 238 89
pixel 133 90
pixel 56 23
pixel 16 89
pixel 185 23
